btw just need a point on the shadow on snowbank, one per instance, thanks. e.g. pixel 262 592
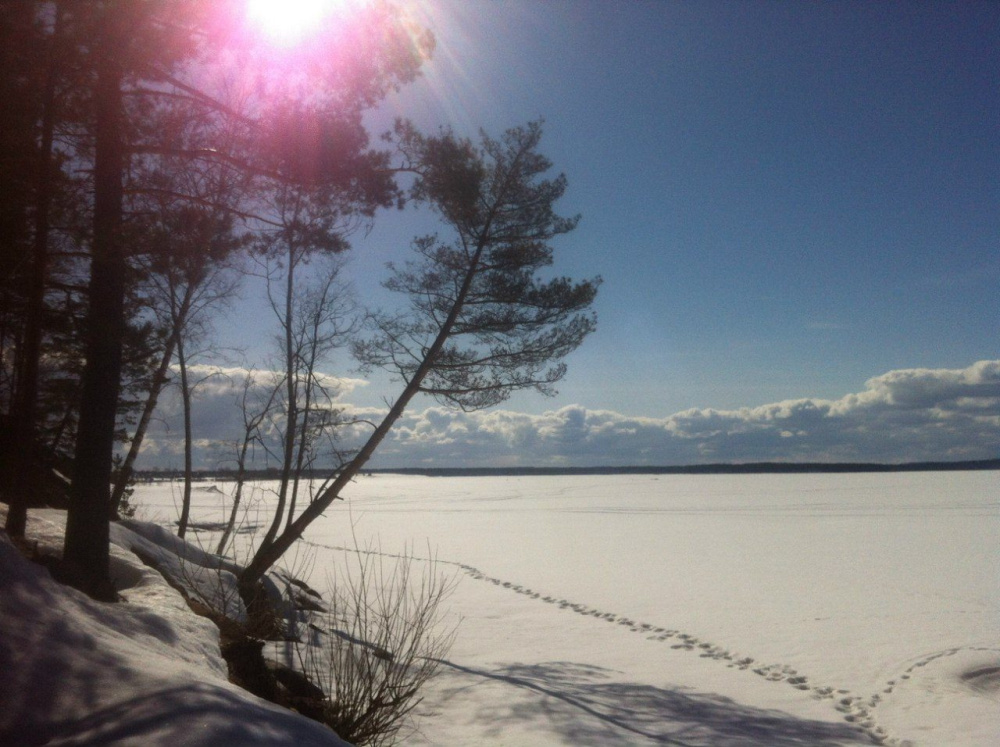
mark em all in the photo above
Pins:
pixel 143 671
pixel 585 706
pixel 195 714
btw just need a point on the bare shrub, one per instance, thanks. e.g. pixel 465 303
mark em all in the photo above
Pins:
pixel 370 645
pixel 381 640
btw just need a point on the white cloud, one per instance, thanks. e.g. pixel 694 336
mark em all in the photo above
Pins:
pixel 216 415
pixel 221 379
pixel 905 415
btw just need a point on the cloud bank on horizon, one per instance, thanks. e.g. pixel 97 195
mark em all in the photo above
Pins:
pixel 901 416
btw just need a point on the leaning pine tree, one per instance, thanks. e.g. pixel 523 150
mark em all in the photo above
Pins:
pixel 482 323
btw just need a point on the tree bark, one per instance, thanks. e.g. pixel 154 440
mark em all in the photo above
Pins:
pixel 188 463
pixel 86 548
pixel 25 457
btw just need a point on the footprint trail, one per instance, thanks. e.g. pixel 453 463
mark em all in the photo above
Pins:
pixel 856 710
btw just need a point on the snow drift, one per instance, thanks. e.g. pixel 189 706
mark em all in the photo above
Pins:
pixel 146 671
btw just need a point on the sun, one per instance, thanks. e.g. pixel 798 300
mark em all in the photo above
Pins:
pixel 286 21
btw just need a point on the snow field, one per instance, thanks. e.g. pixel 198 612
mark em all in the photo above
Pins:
pixel 715 610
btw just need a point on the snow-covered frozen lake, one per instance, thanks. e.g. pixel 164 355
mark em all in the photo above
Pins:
pixel 693 610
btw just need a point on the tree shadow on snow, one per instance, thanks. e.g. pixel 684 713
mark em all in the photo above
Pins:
pixel 584 706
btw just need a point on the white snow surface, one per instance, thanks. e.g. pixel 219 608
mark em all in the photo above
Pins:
pixel 698 611
pixel 702 611
pixel 145 671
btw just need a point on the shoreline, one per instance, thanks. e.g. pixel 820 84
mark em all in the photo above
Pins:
pixel 750 468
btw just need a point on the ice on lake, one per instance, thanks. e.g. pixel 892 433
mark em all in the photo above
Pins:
pixel 696 610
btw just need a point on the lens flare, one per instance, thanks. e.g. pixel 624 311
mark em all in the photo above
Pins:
pixel 286 21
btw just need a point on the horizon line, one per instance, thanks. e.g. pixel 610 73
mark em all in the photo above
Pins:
pixel 714 468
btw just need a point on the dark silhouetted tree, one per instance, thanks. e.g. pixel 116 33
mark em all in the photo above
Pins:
pixel 137 63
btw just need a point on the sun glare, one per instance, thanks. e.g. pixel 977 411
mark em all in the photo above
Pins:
pixel 285 21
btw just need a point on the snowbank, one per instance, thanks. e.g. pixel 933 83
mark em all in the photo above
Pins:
pixel 146 671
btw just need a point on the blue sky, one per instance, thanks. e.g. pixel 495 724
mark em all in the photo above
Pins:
pixel 785 199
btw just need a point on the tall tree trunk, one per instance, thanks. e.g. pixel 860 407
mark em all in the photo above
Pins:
pixel 291 408
pixel 303 438
pixel 241 472
pixel 251 424
pixel 186 399
pixel 25 457
pixel 86 550
pixel 302 447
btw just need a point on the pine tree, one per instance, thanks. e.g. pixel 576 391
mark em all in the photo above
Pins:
pixel 482 323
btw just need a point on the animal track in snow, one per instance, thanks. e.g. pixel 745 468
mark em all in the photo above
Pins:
pixel 856 711
pixel 923 661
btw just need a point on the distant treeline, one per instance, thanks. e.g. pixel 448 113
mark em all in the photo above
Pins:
pixel 754 468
